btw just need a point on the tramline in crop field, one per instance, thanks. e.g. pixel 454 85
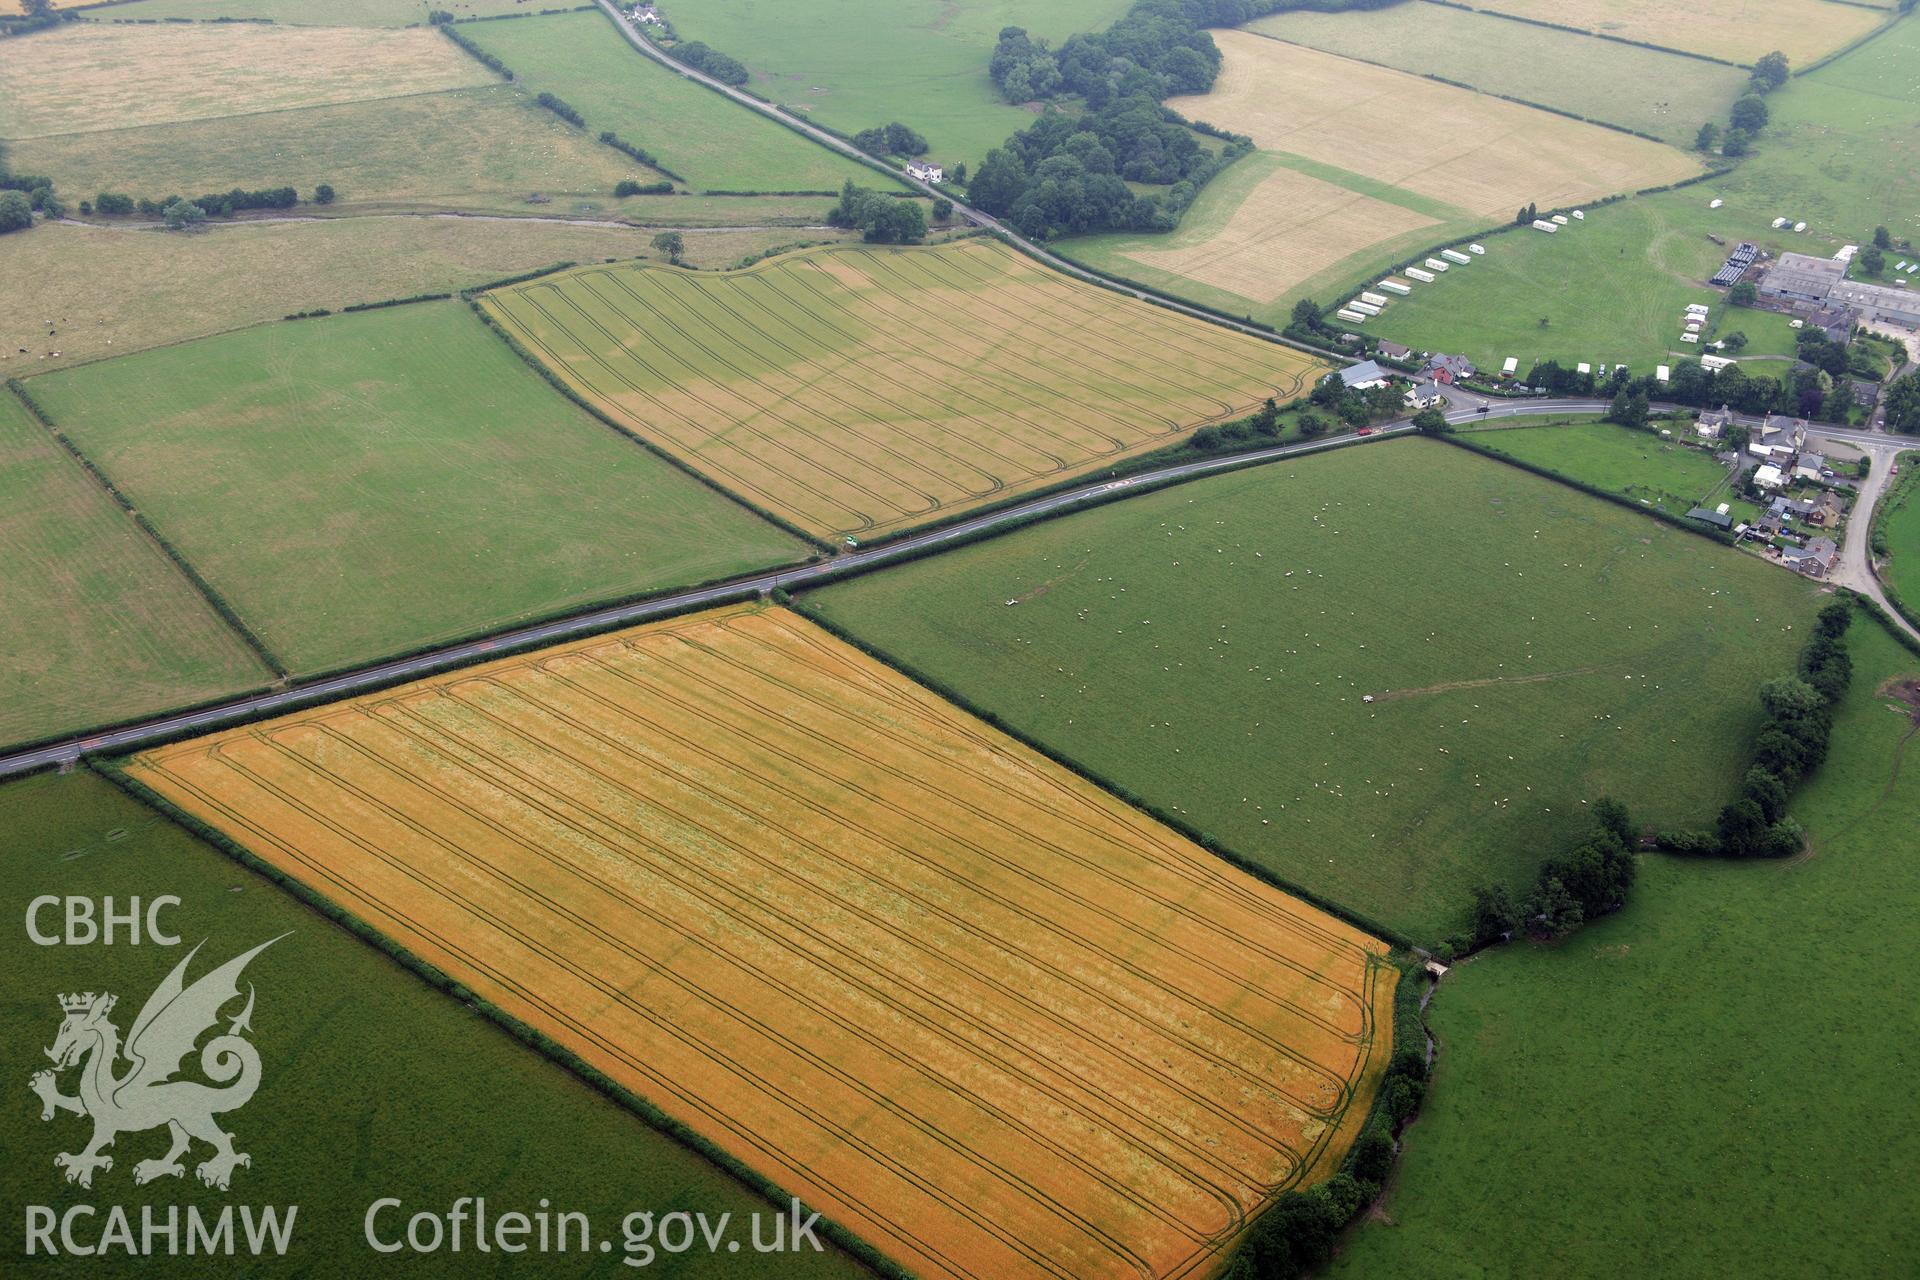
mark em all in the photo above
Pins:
pixel 974 1008
pixel 864 391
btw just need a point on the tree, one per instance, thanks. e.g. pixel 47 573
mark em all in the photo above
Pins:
pixel 1789 698
pixel 1001 181
pixel 1735 340
pixel 16 211
pixel 671 243
pixel 1742 829
pixel 1708 136
pixel 1612 817
pixel 1882 238
pixel 1743 294
pixel 1306 313
pixel 1629 408
pixel 1749 114
pixel 182 215
pixel 1553 908
pixel 942 209
pixel 1494 913
pixel 1737 143
pixel 1903 405
pixel 1266 420
pixel 1872 260
pixel 1311 425
pixel 1770 72
pixel 1767 792
pixel 1430 422
pixel 323 194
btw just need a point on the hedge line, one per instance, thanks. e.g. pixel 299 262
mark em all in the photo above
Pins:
pixel 397 302
pixel 1596 35
pixel 1905 482
pixel 1847 48
pixel 439 979
pixel 1158 814
pixel 213 598
pixel 554 380
pixel 645 157
pixel 522 278
pixel 480 55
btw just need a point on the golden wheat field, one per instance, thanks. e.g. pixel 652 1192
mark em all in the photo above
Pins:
pixel 866 390
pixel 975 1009
pixel 1469 150
pixel 86 77
pixel 1740 31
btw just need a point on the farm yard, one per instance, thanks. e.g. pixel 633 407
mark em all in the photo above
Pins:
pixel 922 62
pixel 99 626
pixel 1211 647
pixel 362 484
pixel 1741 31
pixel 864 391
pixel 1706 1082
pixel 1663 94
pixel 712 143
pixel 1657 473
pixel 969 1006
pixel 375 1084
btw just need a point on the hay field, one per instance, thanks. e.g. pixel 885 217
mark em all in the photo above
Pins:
pixel 1740 31
pixel 1664 94
pixel 863 391
pixel 87 76
pixel 363 484
pixel 99 625
pixel 1288 228
pixel 331 13
pixel 485 149
pixel 1208 647
pixel 971 1007
pixel 1466 149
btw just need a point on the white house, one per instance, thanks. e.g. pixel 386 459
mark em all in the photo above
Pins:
pixel 1511 367
pixel 1425 396
pixel 929 173
pixel 1663 373
pixel 1769 477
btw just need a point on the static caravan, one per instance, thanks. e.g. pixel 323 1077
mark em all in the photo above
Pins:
pixel 1377 299
pixel 1476 248
pixel 1583 367
pixel 1698 309
pixel 1689 337
pixel 1799 226
pixel 1351 316
pixel 1560 218
pixel 1779 223
pixel 1579 215
pixel 1454 255
pixel 1716 363
pixel 1511 367
pixel 1364 308
pixel 1394 286
pixel 1662 373
pixel 1415 273
pixel 1435 264
pixel 1715 204
pixel 1541 224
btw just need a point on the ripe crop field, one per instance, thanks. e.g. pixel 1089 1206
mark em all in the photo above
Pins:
pixel 1453 145
pixel 1636 464
pixel 1735 1016
pixel 334 13
pixel 711 142
pixel 1664 94
pixel 1210 647
pixel 360 484
pixel 973 1008
pixel 1737 30
pixel 372 1083
pixel 923 62
pixel 98 624
pixel 87 76
pixel 483 149
pixel 863 391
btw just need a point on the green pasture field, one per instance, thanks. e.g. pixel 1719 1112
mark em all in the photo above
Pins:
pixel 373 1084
pixel 1897 523
pixel 1663 474
pixel 108 291
pixel 1210 648
pixel 1646 90
pixel 485 149
pixel 714 144
pixel 332 13
pixel 362 484
pixel 1769 333
pixel 99 625
pixel 1709 1083
pixel 922 62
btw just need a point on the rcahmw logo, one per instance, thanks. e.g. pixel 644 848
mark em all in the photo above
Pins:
pixel 141 1083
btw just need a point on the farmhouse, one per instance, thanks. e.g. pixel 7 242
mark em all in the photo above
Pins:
pixel 1448 370
pixel 1363 376
pixel 925 172
pixel 1713 422
pixel 1799 277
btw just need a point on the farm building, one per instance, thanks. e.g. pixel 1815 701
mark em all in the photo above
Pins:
pixel 1846 253
pixel 931 173
pixel 1798 277
pixel 1718 519
pixel 1448 370
pixel 1878 303
pixel 1394 351
pixel 1363 376
pixel 1415 273
pixel 1541 224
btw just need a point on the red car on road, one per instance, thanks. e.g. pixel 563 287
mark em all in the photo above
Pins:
pixel 1364 431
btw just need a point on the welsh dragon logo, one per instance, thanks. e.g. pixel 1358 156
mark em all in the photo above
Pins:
pixel 146 1095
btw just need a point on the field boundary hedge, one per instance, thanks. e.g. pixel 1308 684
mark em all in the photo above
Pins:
pixel 1595 35
pixel 349 922
pixel 1903 489
pixel 214 599
pixel 1167 819
pixel 1893 16
pixel 478 54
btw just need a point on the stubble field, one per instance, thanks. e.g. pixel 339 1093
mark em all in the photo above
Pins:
pixel 970 1006
pixel 863 391
pixel 1738 30
pixel 1212 647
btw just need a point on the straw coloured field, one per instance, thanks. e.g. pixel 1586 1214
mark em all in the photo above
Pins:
pixel 360 484
pixel 1664 94
pixel 1211 647
pixel 863 391
pixel 88 76
pixel 1469 150
pixel 1736 1016
pixel 969 1006
pixel 334 13
pixel 98 624
pixel 1738 30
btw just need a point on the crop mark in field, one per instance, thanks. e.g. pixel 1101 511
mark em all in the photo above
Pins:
pixel 1452 686
pixel 773 887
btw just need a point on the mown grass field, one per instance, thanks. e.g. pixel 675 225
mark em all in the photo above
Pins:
pixel 1664 94
pixel 1898 523
pixel 373 1083
pixel 1636 464
pixel 361 484
pixel 971 1007
pixel 99 625
pixel 1209 648
pixel 861 391
pixel 334 13
pixel 88 76
pixel 1739 31
pixel 923 62
pixel 485 149
pixel 107 291
pixel 714 144
pixel 1710 1082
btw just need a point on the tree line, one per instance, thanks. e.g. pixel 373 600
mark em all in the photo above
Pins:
pixel 703 57
pixel 883 219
